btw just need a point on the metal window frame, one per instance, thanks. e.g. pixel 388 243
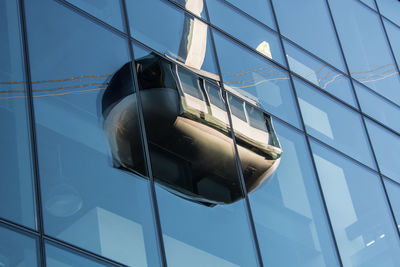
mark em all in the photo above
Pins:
pixel 40 234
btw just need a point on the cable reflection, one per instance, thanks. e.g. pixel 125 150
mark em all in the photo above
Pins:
pixel 228 77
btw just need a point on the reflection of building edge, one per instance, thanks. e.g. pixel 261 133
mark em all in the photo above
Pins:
pixel 188 133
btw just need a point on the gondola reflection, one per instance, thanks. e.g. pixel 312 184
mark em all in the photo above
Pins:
pixel 188 132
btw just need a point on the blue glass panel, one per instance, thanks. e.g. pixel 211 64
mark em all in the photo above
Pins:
pixel 358 209
pixel 171 32
pixel 56 256
pixel 387 149
pixel 393 190
pixel 308 24
pixel 366 48
pixel 288 210
pixel 370 3
pixel 257 79
pixel 333 123
pixel 194 6
pixel 258 9
pixel 319 73
pixel 110 11
pixel 197 235
pixel 17 249
pixel 378 107
pixel 84 192
pixel 16 187
pixel 390 9
pixel 238 25
pixel 393 32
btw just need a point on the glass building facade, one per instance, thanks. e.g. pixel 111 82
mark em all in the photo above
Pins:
pixel 324 72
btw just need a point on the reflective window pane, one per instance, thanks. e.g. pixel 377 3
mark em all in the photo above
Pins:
pixel 257 145
pixel 194 6
pixel 308 24
pixel 393 32
pixel 109 11
pixel 16 187
pixel 359 213
pixel 17 249
pixel 197 235
pixel 370 3
pixel 387 149
pixel 319 73
pixel 257 79
pixel 333 123
pixel 259 9
pixel 366 48
pixel 288 210
pixel 193 157
pixel 238 25
pixel 63 257
pixel 86 189
pixel 393 190
pixel 390 9
pixel 173 33
pixel 378 107
pixel 198 189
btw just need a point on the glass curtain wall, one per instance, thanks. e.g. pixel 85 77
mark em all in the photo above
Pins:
pixel 96 170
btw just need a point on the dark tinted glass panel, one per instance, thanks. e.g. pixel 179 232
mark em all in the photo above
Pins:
pixel 366 48
pixel 390 9
pixel 171 32
pixel 190 85
pixel 308 24
pixel 237 108
pixel 215 96
pixel 199 192
pixel 84 111
pixel 359 212
pixel 259 9
pixel 378 107
pixel 333 123
pixel 256 118
pixel 240 26
pixel 109 11
pixel 17 249
pixel 387 149
pixel 194 6
pixel 319 73
pixel 16 188
pixel 393 32
pixel 57 256
pixel 289 216
pixel 254 77
pixel 393 190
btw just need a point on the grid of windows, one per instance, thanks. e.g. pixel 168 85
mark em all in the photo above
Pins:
pixel 326 71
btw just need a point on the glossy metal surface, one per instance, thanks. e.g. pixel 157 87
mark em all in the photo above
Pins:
pixel 188 132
